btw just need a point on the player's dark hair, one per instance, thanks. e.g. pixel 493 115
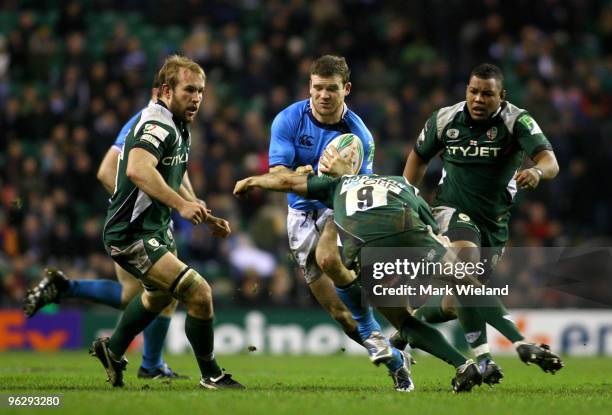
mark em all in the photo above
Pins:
pixel 488 71
pixel 330 65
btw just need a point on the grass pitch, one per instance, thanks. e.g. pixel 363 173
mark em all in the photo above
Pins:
pixel 304 385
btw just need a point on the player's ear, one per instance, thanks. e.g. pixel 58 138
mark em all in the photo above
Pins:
pixel 347 88
pixel 502 94
pixel 165 91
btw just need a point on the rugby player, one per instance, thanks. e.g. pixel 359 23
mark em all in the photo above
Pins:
pixel 377 211
pixel 482 142
pixel 137 232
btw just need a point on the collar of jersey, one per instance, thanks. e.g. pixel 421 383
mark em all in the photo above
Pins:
pixel 180 124
pixel 491 120
pixel 339 126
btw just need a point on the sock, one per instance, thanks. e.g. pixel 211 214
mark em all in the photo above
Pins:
pixel 496 315
pixel 354 335
pixel 154 337
pixel 475 328
pixel 431 311
pixel 396 361
pixel 100 291
pixel 423 336
pixel 134 319
pixel 201 336
pixel 475 312
pixel 363 315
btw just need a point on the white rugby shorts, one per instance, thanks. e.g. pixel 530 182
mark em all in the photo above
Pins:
pixel 304 230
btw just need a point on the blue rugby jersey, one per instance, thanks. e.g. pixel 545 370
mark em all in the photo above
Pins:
pixel 298 139
pixel 120 140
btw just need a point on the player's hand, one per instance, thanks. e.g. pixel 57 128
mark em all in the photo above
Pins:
pixel 527 179
pixel 332 163
pixel 218 226
pixel 194 212
pixel 203 203
pixel 242 187
pixel 304 169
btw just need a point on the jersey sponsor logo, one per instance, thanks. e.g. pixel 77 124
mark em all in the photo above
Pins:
pixel 492 133
pixel 305 141
pixel 156 131
pixel 452 133
pixel 150 139
pixel 530 124
pixel 175 160
pixel 472 151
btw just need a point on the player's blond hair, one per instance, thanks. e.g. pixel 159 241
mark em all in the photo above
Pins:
pixel 169 72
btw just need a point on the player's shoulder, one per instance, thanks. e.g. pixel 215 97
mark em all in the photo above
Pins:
pixel 156 120
pixel 510 114
pixel 297 109
pixel 445 115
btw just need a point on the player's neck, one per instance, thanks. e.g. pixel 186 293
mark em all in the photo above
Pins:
pixel 328 119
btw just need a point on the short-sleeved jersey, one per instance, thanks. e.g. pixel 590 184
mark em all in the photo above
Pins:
pixel 132 212
pixel 298 139
pixel 480 160
pixel 120 140
pixel 370 207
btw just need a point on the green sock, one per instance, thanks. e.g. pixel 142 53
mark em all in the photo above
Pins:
pixel 496 315
pixel 432 312
pixel 474 326
pixel 135 318
pixel 423 336
pixel 202 338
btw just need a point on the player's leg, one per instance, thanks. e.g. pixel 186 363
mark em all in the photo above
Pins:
pixel 55 286
pixel 346 284
pixel 348 292
pixel 414 331
pixel 190 288
pixel 303 235
pixel 154 336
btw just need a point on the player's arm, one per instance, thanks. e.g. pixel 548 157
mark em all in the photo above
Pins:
pixel 533 141
pixel 546 167
pixel 288 182
pixel 141 170
pixel 415 168
pixel 426 147
pixel 107 172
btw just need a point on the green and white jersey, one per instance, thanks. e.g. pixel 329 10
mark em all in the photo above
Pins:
pixel 132 212
pixel 369 207
pixel 480 160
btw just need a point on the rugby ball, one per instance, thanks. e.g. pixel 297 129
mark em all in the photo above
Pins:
pixel 345 144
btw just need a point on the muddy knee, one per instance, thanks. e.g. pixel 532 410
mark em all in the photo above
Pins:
pixel 193 290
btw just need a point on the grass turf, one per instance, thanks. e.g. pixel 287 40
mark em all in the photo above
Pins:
pixel 304 385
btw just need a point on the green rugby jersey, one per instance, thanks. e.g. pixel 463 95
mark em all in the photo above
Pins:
pixel 132 212
pixel 370 207
pixel 480 160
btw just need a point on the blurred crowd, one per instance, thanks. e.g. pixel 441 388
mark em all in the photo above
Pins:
pixel 72 72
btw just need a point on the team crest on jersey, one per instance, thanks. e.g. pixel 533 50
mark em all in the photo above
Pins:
pixel 153 242
pixel 492 133
pixel 464 217
pixel 452 133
